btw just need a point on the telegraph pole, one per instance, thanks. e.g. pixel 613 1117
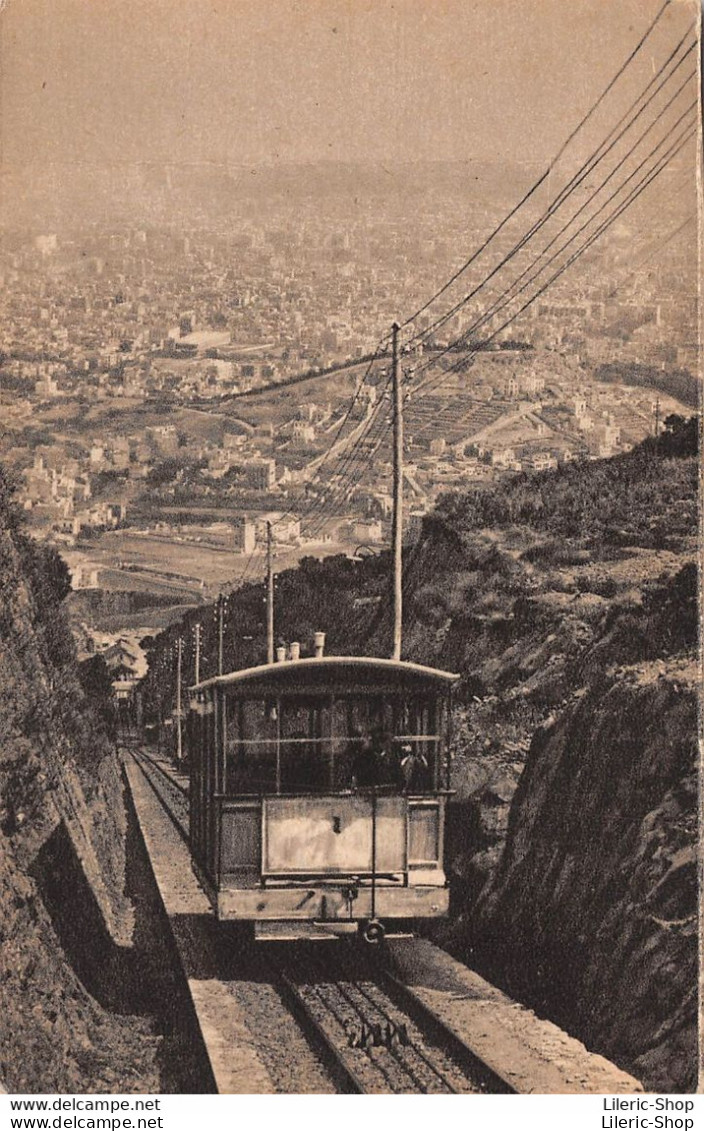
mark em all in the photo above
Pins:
pixel 397 530
pixel 657 418
pixel 196 672
pixel 221 632
pixel 269 597
pixel 179 736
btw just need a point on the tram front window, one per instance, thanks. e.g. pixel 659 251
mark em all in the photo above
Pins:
pixel 313 744
pixel 358 725
pixel 304 756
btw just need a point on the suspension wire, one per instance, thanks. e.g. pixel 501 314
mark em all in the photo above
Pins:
pixel 375 429
pixel 375 439
pixel 355 456
pixel 327 507
pixel 576 180
pixel 668 239
pixel 544 176
pixel 467 360
pixel 374 358
pixel 561 197
pixel 378 429
pixel 245 573
pixel 431 361
pixel 349 456
pixel 381 430
pixel 502 302
pixel 594 194
pixel 646 180
pixel 241 578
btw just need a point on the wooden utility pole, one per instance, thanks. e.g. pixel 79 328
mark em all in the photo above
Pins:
pixel 196 665
pixel 179 736
pixel 397 532
pixel 269 596
pixel 657 417
pixel 221 633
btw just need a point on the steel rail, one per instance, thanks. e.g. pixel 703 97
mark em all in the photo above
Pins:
pixel 346 1074
pixel 180 825
pixel 425 1017
pixel 356 983
pixel 333 1055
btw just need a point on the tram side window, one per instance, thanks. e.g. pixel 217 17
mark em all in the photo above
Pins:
pixel 251 746
pixel 349 727
pixel 419 749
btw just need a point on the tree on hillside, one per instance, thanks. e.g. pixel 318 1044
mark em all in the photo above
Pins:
pixel 97 685
pixel 680 437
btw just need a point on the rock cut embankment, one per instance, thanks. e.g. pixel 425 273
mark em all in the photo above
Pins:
pixel 591 915
pixel 65 922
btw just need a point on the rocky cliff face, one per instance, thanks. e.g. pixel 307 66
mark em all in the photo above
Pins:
pixel 578 891
pixel 64 914
pixel 591 914
pixel 573 836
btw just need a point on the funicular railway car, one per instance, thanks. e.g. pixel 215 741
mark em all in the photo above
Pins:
pixel 318 794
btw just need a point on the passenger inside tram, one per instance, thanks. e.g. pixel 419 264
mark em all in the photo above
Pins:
pixel 314 745
pixel 415 770
pixel 376 761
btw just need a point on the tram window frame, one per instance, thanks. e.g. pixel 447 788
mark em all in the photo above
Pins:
pixel 241 762
pixel 305 759
pixel 335 721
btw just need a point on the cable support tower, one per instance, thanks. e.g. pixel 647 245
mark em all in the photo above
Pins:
pixel 354 461
pixel 577 178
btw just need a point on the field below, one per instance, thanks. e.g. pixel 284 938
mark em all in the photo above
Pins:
pixel 168 565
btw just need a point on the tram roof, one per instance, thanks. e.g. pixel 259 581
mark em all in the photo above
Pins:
pixel 318 669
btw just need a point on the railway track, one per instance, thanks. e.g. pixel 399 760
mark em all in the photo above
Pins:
pixel 375 1039
pixel 171 793
pixel 370 1034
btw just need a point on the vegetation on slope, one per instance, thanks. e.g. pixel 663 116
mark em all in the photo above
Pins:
pixel 492 566
pixel 568 602
pixel 645 498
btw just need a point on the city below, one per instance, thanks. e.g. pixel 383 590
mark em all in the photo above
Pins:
pixel 350 528
pixel 169 390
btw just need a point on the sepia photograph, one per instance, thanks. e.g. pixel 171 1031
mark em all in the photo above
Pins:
pixel 350 544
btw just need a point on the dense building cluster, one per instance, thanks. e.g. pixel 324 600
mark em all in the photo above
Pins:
pixel 125 351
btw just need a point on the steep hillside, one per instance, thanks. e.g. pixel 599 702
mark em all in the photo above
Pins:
pixel 570 606
pixel 591 915
pixel 568 602
pixel 66 924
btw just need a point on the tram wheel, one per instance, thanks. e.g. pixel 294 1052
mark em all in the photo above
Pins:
pixel 374 932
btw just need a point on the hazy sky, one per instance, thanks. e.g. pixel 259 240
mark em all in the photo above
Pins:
pixel 240 81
